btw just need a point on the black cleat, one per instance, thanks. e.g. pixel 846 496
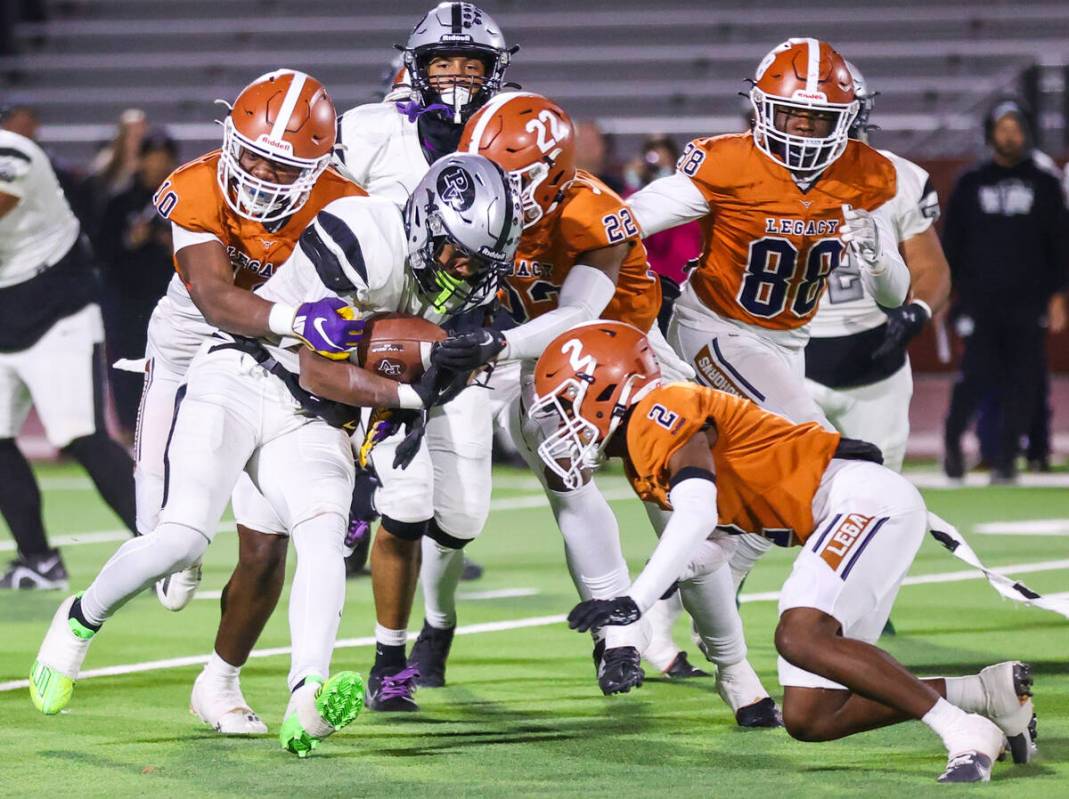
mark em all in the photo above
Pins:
pixel 620 670
pixel 472 570
pixel 681 669
pixel 762 713
pixel 391 693
pixel 36 573
pixel 967 767
pixel 429 654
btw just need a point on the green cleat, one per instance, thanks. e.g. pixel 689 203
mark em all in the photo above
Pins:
pixel 58 661
pixel 318 709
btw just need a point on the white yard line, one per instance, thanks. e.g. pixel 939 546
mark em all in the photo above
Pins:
pixel 515 624
pixel 1024 527
pixel 934 479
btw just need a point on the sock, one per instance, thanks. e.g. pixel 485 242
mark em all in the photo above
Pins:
pixel 139 563
pixel 966 693
pixel 947 722
pixel 389 648
pixel 317 594
pixel 77 614
pixel 218 669
pixel 748 550
pixel 439 574
pixel 111 469
pixel 710 601
pixel 20 501
pixel 662 650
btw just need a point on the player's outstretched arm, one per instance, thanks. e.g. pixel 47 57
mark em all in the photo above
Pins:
pixel 208 275
pixel 929 290
pixel 667 203
pixel 873 246
pixel 345 382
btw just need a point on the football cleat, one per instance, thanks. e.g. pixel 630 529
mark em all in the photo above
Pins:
pixel 620 670
pixel 59 660
pixel 222 707
pixel 681 669
pixel 318 709
pixel 1008 703
pixel 471 570
pixel 429 654
pixel 760 714
pixel 967 767
pixel 36 573
pixel 177 590
pixel 392 693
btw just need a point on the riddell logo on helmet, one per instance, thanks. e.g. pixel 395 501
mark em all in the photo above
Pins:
pixel 278 144
pixel 802 94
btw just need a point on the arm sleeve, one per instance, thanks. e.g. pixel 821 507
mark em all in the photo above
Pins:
pixel 586 292
pixel 183 237
pixel 888 281
pixel 693 520
pixel 666 203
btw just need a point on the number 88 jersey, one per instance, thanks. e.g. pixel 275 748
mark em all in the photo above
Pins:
pixel 589 216
pixel 768 245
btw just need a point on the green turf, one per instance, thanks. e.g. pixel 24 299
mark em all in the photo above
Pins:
pixel 522 715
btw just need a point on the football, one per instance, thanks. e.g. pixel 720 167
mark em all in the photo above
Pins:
pixel 398 345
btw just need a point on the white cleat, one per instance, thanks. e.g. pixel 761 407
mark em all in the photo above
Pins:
pixel 178 590
pixel 59 660
pixel 981 744
pixel 1008 703
pixel 223 707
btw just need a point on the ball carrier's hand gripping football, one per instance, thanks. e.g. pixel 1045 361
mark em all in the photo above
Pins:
pixel 328 327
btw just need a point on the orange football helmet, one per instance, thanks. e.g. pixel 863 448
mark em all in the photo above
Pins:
pixel 288 118
pixel 803 75
pixel 531 138
pixel 589 377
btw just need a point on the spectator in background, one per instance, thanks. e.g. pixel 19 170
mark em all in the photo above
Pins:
pixel 595 153
pixel 113 169
pixel 1006 241
pixel 134 247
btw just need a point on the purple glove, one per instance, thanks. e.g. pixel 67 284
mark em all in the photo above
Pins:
pixel 328 326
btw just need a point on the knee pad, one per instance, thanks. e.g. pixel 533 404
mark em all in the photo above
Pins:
pixel 441 537
pixel 177 545
pixel 406 531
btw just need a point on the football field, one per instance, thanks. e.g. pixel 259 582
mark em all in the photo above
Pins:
pixel 522 714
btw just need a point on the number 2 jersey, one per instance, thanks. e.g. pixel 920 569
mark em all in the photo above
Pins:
pixel 590 216
pixel 767 468
pixel 768 245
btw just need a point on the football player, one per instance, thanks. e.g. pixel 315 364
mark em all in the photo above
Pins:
pixel 236 214
pixel 237 414
pixel 857 370
pixel 580 259
pixel 722 465
pixel 455 59
pixel 776 205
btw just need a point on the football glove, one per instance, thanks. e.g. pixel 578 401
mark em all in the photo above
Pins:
pixel 328 326
pixel 903 324
pixel 859 233
pixel 464 352
pixel 438 385
pixel 415 427
pixel 599 612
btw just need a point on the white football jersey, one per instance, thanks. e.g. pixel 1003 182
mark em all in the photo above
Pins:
pixel 846 308
pixel 41 228
pixel 380 150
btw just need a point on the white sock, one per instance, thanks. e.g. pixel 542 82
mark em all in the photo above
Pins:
pixel 591 542
pixel 662 650
pixel 966 693
pixel 219 670
pixel 748 550
pixel 139 563
pixel 317 594
pixel 710 601
pixel 439 574
pixel 949 723
pixel 388 637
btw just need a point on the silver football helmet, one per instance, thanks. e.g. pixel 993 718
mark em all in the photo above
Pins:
pixel 456 29
pixel 469 202
pixel 866 98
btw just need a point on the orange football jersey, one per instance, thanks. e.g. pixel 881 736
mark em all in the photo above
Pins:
pixel 192 199
pixel 767 469
pixel 768 246
pixel 589 217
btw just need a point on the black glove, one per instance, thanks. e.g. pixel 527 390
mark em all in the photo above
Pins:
pixel 466 351
pixel 599 612
pixel 437 386
pixel 415 427
pixel 903 323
